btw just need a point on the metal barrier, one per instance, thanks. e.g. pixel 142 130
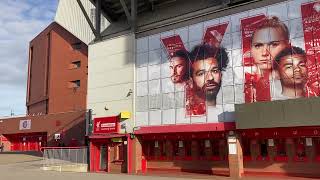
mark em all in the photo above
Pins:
pixel 70 158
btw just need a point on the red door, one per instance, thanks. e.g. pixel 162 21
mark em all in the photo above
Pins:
pixel 32 143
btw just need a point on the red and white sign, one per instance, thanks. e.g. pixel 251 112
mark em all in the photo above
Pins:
pixel 25 124
pixel 311 22
pixel 173 44
pixel 106 125
pixel 214 34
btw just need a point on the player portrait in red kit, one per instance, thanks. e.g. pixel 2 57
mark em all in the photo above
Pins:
pixel 268 37
pixel 291 66
pixel 179 59
pixel 208 62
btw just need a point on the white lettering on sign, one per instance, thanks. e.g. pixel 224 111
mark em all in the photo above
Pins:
pixel 106 125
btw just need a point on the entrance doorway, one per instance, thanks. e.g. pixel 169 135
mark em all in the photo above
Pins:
pixel 26 141
pixel 109 155
pixel 103 158
pixel 117 161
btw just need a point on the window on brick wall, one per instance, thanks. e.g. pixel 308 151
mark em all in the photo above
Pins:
pixel 76 46
pixel 74 84
pixel 76 64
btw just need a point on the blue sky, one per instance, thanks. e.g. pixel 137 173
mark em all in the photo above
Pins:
pixel 20 22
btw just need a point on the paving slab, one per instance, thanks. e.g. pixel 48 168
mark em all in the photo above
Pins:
pixel 27 167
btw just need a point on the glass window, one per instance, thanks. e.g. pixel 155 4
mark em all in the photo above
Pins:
pixel 195 32
pixel 187 147
pixel 74 84
pixel 142 88
pixel 155 117
pixel 256 12
pixel 202 148
pixel 155 57
pixel 246 147
pixel 183 33
pixel 120 151
pixel 227 77
pixel 281 147
pixel 175 144
pixel 142 74
pixel 317 145
pixel 154 72
pixel 155 101
pixel 295 28
pixel 76 46
pixel 148 148
pixel 163 148
pixel 142 59
pixel 167 85
pixel 228 94
pixel 76 64
pixel 142 103
pixel 226 41
pixel 279 10
pixel 168 101
pixel 154 42
pixel 181 116
pixel 235 21
pixel 168 116
pixel 300 148
pixel 141 119
pixel 215 147
pixel 264 148
pixel 142 44
pixel 103 157
pixel 154 87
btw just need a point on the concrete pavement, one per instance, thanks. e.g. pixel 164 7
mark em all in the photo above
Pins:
pixel 27 167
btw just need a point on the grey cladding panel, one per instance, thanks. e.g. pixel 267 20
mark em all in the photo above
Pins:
pixel 286 113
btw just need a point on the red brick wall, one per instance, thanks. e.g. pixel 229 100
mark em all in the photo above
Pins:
pixel 70 125
pixel 37 75
pixel 50 72
pixel 62 98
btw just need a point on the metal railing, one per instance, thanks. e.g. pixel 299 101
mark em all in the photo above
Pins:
pixel 64 156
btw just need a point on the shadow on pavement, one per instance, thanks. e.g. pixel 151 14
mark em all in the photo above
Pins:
pixel 30 153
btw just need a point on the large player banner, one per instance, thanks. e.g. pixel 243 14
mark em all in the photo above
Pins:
pixel 311 28
pixel 198 72
pixel 256 85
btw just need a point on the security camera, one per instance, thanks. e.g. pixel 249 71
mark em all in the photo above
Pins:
pixel 129 92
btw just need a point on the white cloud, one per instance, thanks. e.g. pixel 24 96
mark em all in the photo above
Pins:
pixel 20 22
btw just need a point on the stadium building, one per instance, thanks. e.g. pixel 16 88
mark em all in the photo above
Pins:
pixel 226 88
pixel 216 87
